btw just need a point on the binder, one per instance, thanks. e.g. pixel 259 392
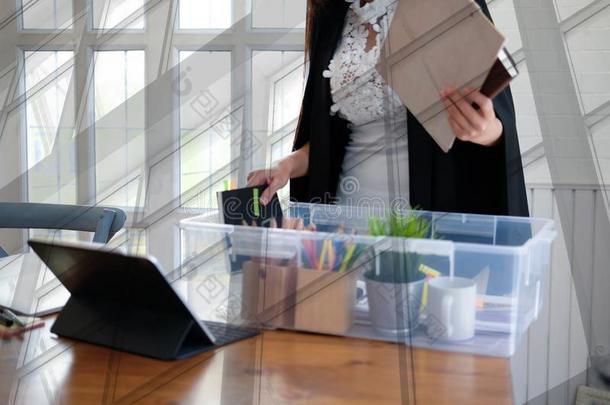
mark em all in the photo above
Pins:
pixel 434 44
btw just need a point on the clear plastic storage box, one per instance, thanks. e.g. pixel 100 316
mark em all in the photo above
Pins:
pixel 330 280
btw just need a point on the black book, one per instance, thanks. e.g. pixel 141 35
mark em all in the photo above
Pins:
pixel 243 205
pixel 503 71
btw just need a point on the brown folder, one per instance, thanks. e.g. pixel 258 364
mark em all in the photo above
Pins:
pixel 433 44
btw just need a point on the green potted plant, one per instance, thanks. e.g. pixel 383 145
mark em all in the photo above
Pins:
pixel 395 285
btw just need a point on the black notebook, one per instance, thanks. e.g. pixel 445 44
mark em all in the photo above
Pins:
pixel 243 205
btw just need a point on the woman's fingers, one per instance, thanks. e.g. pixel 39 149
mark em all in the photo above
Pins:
pixel 456 116
pixel 469 123
pixel 459 132
pixel 485 104
pixel 257 178
pixel 251 179
pixel 476 122
pixel 272 188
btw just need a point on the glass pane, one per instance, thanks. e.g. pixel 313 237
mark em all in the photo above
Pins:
pixel 277 88
pixel 589 51
pixel 278 13
pixel 566 8
pixel 287 95
pixel 535 164
pixel 287 144
pixel 277 92
pixel 49 131
pixel 205 14
pixel 276 151
pixel 47 14
pixel 505 19
pixel 600 137
pixel 119 127
pixel 131 240
pixel 118 13
pixel 207 121
pixel 528 124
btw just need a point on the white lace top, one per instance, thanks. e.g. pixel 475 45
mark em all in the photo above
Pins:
pixel 357 89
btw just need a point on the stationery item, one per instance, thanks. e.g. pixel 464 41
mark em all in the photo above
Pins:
pixel 309 253
pixel 451 308
pixel 481 280
pixel 5 320
pixel 322 255
pixel 435 44
pixel 430 273
pixel 17 330
pixel 331 254
pixel 8 318
pixel 244 204
pixel 298 298
pixel 348 256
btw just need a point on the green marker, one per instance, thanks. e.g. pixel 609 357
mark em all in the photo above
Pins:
pixel 257 208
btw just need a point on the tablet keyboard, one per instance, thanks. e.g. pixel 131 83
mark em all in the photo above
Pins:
pixel 226 333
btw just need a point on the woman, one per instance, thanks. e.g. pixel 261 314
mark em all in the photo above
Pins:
pixel 346 149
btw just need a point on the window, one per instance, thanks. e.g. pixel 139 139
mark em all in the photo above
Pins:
pixel 46 14
pixel 207 121
pixel 205 14
pixel 49 118
pixel 131 240
pixel 589 51
pixel 118 14
pixel 278 14
pixel 505 19
pixel 119 127
pixel 600 141
pixel 277 92
pixel 566 8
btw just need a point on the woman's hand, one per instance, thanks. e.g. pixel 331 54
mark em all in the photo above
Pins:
pixel 294 165
pixel 469 124
pixel 275 178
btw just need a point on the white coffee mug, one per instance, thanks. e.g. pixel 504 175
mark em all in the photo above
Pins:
pixel 451 308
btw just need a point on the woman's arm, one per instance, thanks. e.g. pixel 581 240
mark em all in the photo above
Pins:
pixel 294 165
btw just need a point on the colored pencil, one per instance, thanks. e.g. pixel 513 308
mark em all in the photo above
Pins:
pixel 347 258
pixel 322 254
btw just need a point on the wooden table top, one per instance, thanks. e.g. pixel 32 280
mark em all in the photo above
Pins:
pixel 277 367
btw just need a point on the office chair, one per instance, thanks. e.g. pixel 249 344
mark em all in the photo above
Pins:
pixel 104 222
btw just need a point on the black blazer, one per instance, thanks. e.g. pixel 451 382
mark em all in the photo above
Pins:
pixel 470 178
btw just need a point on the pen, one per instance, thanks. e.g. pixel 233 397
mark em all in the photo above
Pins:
pixel 7 334
pixel 11 315
pixel 5 320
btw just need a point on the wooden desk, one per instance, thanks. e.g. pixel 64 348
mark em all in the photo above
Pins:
pixel 274 368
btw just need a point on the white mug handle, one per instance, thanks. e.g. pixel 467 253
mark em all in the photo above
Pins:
pixel 446 305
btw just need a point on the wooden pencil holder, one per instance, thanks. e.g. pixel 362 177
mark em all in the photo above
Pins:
pixel 298 298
